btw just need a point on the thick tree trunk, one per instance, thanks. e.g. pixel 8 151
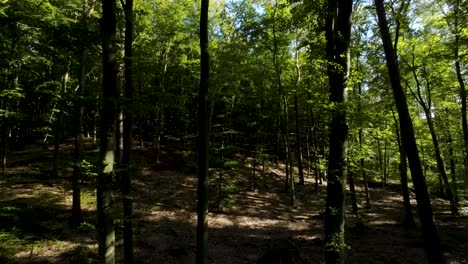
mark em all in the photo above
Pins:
pixel 429 229
pixel 127 136
pixel 106 232
pixel 337 33
pixel 202 207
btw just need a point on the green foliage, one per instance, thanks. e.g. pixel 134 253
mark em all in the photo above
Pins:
pixel 89 171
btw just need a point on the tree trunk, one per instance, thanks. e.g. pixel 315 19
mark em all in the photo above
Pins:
pixel 429 229
pixel 127 136
pixel 337 33
pixel 385 167
pixel 461 83
pixel 352 191
pixel 408 219
pixel 298 126
pixel 202 207
pixel 298 143
pixel 77 216
pixel 254 169
pixel 363 172
pixel 426 105
pixel 441 165
pixel 452 169
pixel 106 232
pixel 5 128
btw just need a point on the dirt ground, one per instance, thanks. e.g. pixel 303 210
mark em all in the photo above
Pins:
pixel 243 224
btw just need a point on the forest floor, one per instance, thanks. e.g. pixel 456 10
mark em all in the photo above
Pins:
pixel 243 224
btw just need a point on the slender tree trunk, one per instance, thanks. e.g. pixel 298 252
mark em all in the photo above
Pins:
pixel 441 165
pixel 461 82
pixel 59 127
pixel 429 229
pixel 5 128
pixel 426 105
pixel 452 169
pixel 338 34
pixel 77 216
pixel 298 143
pixel 408 219
pixel 254 169
pixel 363 172
pixel 127 136
pixel 385 167
pixel 352 191
pixel 298 126
pixel 286 152
pixel 106 232
pixel 202 208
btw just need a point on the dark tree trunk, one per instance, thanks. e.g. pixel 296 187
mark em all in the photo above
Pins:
pixel 363 173
pixel 298 126
pixel 441 165
pixel 408 219
pixel 385 167
pixel 127 136
pixel 429 229
pixel 426 105
pixel 337 33
pixel 352 191
pixel 202 207
pixel 452 168
pixel 298 142
pixel 77 216
pixel 461 82
pixel 106 232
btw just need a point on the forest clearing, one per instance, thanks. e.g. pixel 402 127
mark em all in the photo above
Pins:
pixel 35 218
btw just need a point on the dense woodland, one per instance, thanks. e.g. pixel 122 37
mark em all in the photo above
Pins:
pixel 228 131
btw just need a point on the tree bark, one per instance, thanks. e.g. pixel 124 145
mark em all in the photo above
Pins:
pixel 429 229
pixel 202 207
pixel 77 216
pixel 461 83
pixel 106 232
pixel 426 105
pixel 408 219
pixel 298 126
pixel 352 191
pixel 298 142
pixel 337 33
pixel 127 136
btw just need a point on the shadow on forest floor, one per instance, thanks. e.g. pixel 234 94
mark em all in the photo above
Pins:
pixel 34 213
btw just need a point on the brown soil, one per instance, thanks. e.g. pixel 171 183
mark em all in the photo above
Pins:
pixel 242 227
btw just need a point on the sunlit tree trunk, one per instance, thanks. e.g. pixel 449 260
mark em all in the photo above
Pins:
pixel 429 230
